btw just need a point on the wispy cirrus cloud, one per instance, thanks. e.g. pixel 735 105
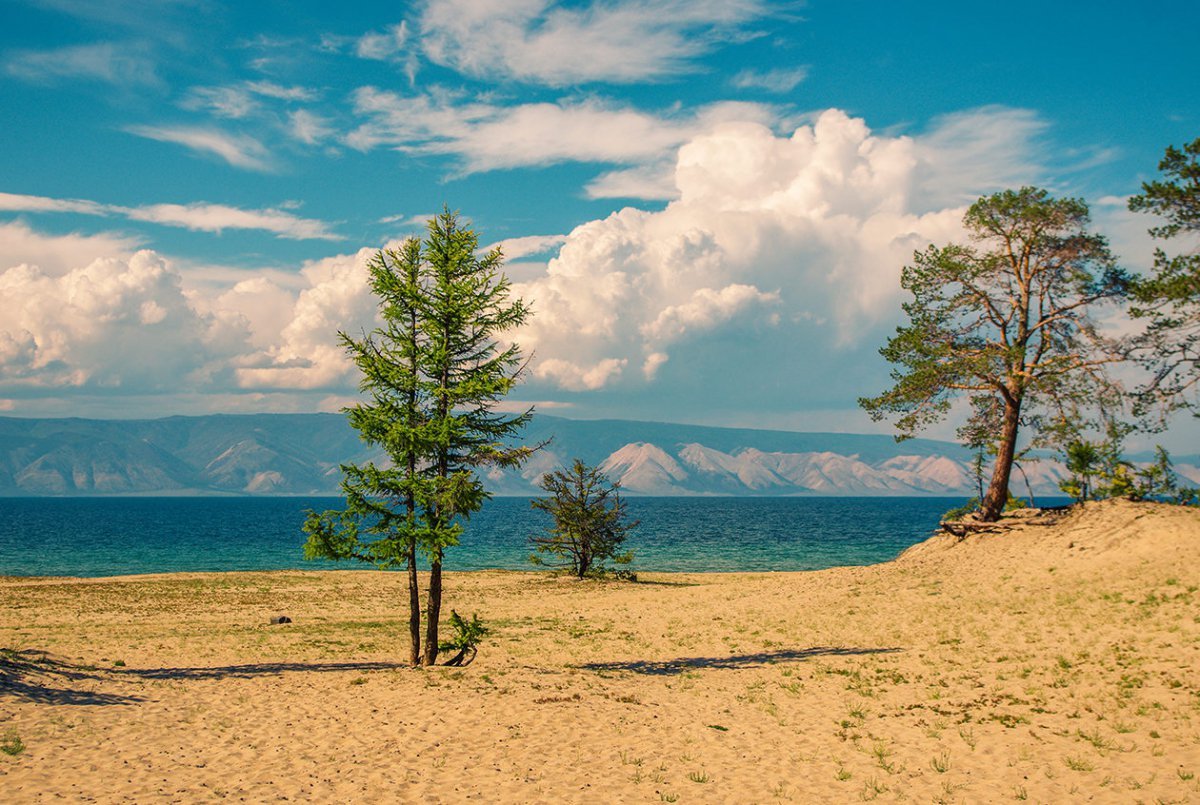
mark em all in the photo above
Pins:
pixel 383 46
pixel 243 99
pixel 240 151
pixel 784 79
pixel 269 89
pixel 516 248
pixel 309 127
pixel 653 181
pixel 950 150
pixel 116 63
pixel 229 102
pixel 544 42
pixel 199 216
pixel 486 136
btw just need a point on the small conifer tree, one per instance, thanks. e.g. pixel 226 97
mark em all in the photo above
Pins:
pixel 432 372
pixel 589 521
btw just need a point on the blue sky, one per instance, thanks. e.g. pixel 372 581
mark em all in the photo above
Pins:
pixel 707 202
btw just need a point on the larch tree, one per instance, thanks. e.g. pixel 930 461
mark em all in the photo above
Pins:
pixel 590 521
pixel 466 372
pixel 381 523
pixel 1007 316
pixel 432 373
pixel 1169 299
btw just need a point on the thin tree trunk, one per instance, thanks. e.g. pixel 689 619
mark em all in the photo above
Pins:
pixel 414 608
pixel 997 494
pixel 414 370
pixel 433 610
pixel 1028 486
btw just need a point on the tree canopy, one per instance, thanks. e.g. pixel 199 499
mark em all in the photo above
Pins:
pixel 1169 299
pixel 1004 320
pixel 432 373
pixel 590 520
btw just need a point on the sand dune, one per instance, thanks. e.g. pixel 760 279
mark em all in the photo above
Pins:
pixel 1048 663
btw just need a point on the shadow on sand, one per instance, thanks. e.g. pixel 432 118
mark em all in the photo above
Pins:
pixel 34 676
pixel 254 669
pixel 682 664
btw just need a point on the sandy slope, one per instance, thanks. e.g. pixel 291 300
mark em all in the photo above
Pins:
pixel 1053 664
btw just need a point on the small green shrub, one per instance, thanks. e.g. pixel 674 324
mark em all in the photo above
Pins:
pixel 12 744
pixel 959 512
pixel 465 640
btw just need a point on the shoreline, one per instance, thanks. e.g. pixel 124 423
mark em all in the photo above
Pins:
pixel 649 576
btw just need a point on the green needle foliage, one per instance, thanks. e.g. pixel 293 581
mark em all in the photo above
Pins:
pixel 1005 321
pixel 589 521
pixel 1170 298
pixel 432 373
pixel 465 638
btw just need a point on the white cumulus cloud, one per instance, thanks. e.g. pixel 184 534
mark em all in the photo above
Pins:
pixel 115 325
pixel 772 275
pixel 769 236
pixel 306 354
pixel 20 243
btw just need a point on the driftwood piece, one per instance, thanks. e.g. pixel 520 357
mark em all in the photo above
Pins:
pixel 961 528
pixel 1049 515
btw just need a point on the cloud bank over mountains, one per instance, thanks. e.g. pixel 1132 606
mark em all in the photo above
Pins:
pixel 791 245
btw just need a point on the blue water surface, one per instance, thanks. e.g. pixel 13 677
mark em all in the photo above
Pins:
pixel 116 536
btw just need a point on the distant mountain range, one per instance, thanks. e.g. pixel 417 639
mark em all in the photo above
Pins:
pixel 299 454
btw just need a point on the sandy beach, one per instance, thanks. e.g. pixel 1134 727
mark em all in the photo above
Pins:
pixel 1047 663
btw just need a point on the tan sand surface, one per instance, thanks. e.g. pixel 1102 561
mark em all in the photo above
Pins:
pixel 1046 663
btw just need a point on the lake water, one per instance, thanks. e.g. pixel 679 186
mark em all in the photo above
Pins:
pixel 114 536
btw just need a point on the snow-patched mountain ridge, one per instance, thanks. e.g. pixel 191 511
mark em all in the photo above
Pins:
pixel 300 454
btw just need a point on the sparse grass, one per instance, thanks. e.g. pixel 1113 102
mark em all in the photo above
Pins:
pixel 881 752
pixel 1078 763
pixel 698 776
pixel 949 792
pixel 941 763
pixel 12 745
pixel 665 796
pixel 872 789
pixel 1097 740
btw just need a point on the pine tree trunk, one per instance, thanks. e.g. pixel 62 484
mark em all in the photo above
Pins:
pixel 997 494
pixel 433 611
